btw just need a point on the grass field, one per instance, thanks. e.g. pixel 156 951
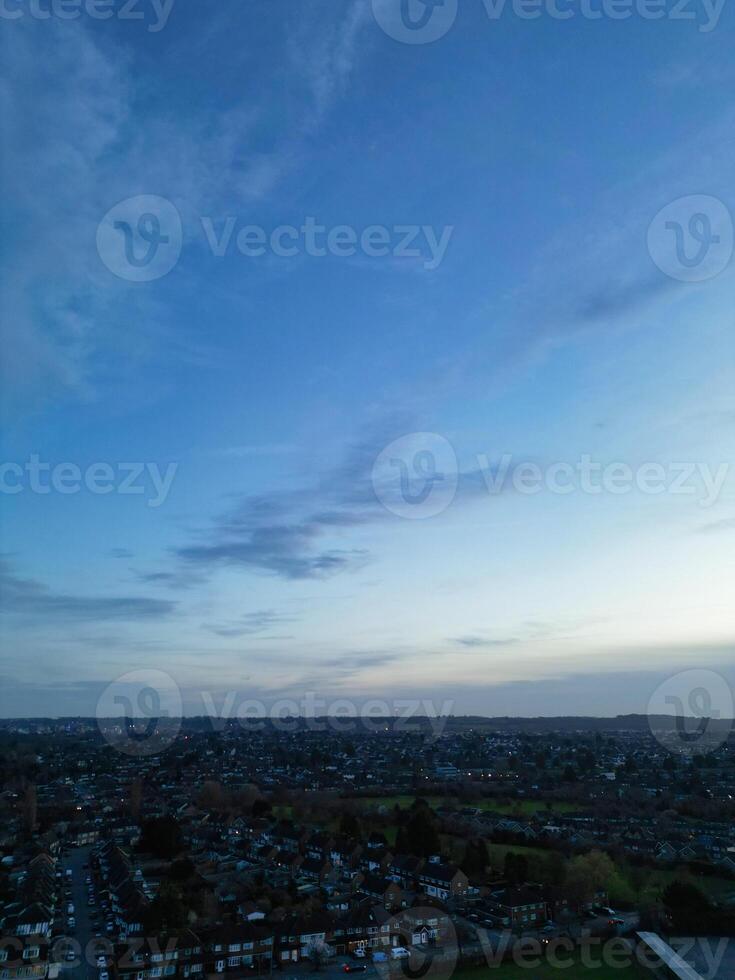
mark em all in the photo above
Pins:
pixel 714 887
pixel 498 851
pixel 514 806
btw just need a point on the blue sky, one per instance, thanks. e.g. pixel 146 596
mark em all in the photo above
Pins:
pixel 554 326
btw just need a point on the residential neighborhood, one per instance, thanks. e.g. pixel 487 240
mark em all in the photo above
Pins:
pixel 233 853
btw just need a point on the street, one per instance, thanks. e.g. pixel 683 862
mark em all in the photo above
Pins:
pixel 83 968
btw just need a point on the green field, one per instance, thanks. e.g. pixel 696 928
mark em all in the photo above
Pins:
pixel 498 851
pixel 716 888
pixel 509 807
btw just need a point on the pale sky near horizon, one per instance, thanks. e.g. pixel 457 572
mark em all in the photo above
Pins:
pixel 545 313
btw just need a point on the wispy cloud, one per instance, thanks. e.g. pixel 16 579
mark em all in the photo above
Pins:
pixel 286 533
pixel 74 151
pixel 482 641
pixel 250 624
pixel 713 527
pixel 30 598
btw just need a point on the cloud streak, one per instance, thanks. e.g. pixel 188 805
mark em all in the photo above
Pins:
pixel 30 598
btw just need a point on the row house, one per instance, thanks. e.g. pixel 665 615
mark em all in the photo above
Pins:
pixel 366 927
pixel 404 869
pixel 177 955
pixel 344 852
pixel 229 949
pixel 317 869
pixel 298 935
pixel 442 880
pixel 519 908
pixel 33 920
pixel 385 890
pixel 26 958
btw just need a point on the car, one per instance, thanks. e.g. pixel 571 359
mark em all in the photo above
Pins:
pixel 399 953
pixel 354 967
pixel 101 961
pixel 70 956
pixel 70 908
pixel 359 953
pixel 71 922
pixel 104 975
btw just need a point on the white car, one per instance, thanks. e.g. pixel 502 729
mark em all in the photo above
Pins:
pixel 70 908
pixel 104 975
pixel 399 953
pixel 70 956
pixel 71 922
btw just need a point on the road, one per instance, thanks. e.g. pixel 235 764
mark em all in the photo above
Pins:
pixel 83 968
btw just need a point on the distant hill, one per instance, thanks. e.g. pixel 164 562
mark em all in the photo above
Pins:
pixel 561 723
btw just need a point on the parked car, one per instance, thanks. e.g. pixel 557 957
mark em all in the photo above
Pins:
pixel 399 953
pixel 71 922
pixel 604 910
